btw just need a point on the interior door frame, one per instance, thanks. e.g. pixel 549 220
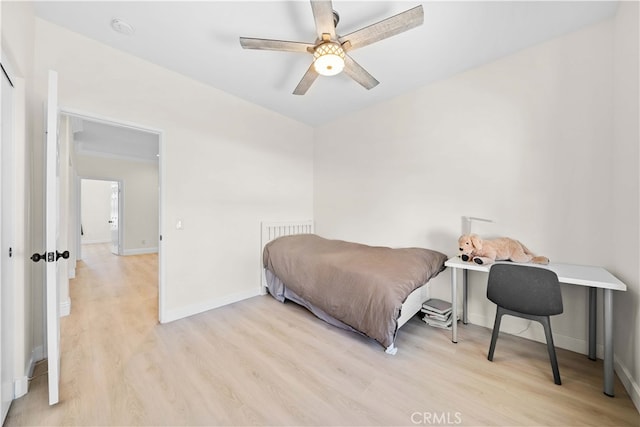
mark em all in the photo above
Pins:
pixel 161 190
pixel 120 218
pixel 78 208
pixel 8 213
pixel 22 246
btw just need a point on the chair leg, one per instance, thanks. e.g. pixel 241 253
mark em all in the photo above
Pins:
pixel 494 334
pixel 551 349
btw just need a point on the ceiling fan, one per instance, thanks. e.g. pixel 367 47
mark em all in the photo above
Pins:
pixel 329 50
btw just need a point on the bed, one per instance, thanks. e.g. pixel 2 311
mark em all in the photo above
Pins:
pixel 365 289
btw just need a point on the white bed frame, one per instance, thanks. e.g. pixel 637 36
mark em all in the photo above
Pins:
pixel 273 230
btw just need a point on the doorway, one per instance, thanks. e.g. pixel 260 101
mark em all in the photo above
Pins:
pixel 126 211
pixel 100 213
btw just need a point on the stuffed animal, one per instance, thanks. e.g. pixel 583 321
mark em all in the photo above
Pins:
pixel 473 248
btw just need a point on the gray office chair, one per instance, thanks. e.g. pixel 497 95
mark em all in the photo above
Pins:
pixel 529 292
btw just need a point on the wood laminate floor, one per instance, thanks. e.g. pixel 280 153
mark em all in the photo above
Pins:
pixel 260 362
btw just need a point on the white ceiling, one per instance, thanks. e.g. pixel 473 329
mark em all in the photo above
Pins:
pixel 200 40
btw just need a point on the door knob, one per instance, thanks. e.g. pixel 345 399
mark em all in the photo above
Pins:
pixel 49 257
pixel 37 257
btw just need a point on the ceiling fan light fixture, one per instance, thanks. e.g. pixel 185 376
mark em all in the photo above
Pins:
pixel 328 59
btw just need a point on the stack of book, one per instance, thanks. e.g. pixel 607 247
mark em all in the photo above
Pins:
pixel 437 313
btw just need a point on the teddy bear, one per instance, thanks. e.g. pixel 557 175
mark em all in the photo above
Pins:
pixel 473 248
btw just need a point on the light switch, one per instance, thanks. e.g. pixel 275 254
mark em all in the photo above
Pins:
pixel 179 225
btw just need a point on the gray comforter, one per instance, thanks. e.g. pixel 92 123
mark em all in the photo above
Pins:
pixel 361 286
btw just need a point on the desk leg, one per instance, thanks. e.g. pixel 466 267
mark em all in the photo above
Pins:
pixel 454 305
pixel 593 314
pixel 608 342
pixel 465 289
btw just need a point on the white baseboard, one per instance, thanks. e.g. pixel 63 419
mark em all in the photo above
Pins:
pixel 537 334
pixel 37 354
pixel 577 346
pixel 180 313
pixel 65 308
pixel 21 385
pixel 139 251
pixel 93 241
pixel 632 387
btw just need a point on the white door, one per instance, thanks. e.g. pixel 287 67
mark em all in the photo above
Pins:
pixel 7 279
pixel 51 241
pixel 114 220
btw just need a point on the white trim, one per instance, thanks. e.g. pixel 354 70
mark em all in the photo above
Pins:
pixel 140 251
pixel 632 387
pixel 536 333
pixel 94 241
pixel 36 355
pixel 108 120
pixel 161 216
pixel 78 225
pixel 21 385
pixel 180 313
pixel 101 154
pixel 65 307
pixel 577 346
pixel 121 217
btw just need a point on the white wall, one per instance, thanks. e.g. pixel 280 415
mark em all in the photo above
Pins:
pixel 525 141
pixel 226 164
pixel 139 198
pixel 505 141
pixel 95 210
pixel 624 215
pixel 17 39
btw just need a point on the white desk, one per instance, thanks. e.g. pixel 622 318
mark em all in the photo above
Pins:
pixel 591 277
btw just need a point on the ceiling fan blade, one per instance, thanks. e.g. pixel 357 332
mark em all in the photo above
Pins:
pixel 386 28
pixel 307 80
pixel 359 74
pixel 267 44
pixel 323 15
